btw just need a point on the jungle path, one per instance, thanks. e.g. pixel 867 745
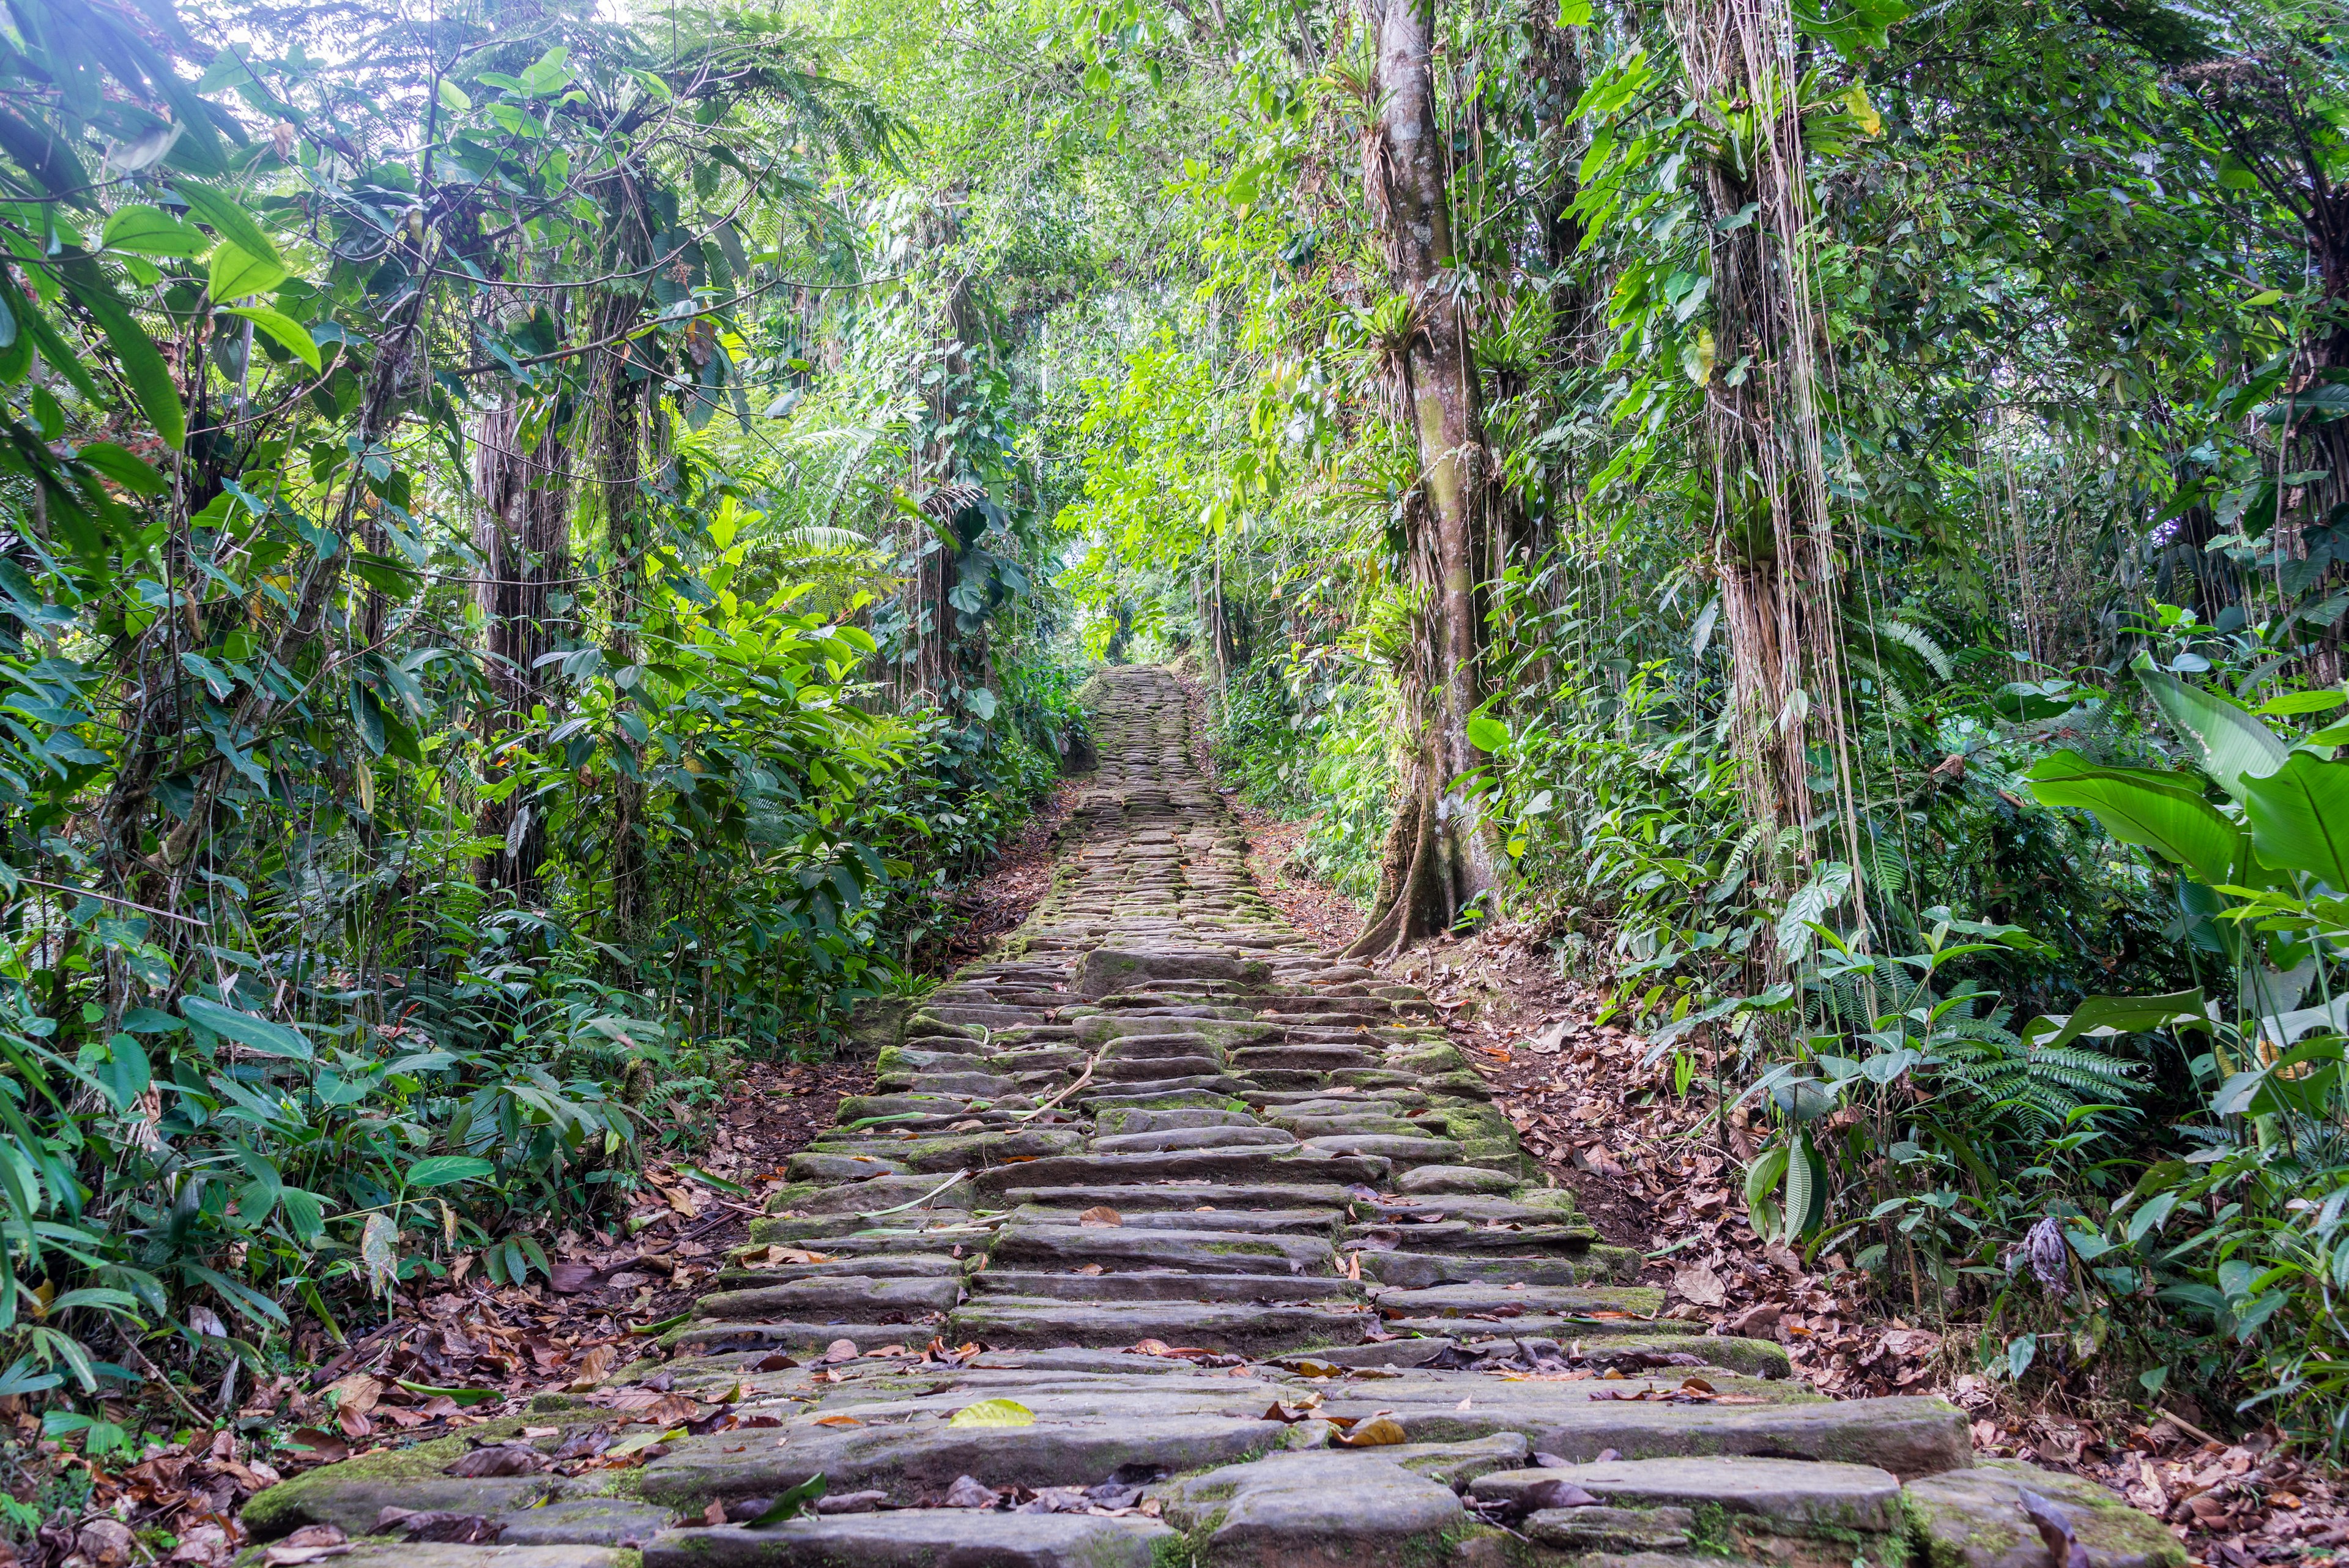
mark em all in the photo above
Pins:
pixel 1167 1240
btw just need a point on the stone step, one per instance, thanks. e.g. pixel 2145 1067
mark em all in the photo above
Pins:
pixel 1190 1192
pixel 960 1537
pixel 1798 1497
pixel 1443 1300
pixel 1423 1271
pixel 909 1265
pixel 1253 1329
pixel 1203 1251
pixel 844 1292
pixel 1161 1285
pixel 1233 1166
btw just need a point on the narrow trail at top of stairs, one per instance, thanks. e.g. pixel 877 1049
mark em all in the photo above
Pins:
pixel 1167 1240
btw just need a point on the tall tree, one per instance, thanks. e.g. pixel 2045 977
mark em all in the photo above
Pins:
pixel 521 532
pixel 1771 546
pixel 1435 859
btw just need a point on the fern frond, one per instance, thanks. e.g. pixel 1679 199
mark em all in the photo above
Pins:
pixel 1914 639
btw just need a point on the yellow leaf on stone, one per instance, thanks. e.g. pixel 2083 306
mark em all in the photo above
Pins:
pixel 994 1413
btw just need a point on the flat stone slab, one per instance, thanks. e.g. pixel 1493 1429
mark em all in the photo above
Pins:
pixel 943 1537
pixel 1162 1285
pixel 1239 1329
pixel 1444 1300
pixel 842 1291
pixel 1794 1496
pixel 1425 1271
pixel 1107 969
pixel 386 1553
pixel 1465 1179
pixel 1194 1138
pixel 1222 1196
pixel 1203 1250
pixel 1974 1519
pixel 713 1337
pixel 1211 1165
pixel 907 1457
pixel 585 1521
pixel 1335 1508
pixel 1910 1437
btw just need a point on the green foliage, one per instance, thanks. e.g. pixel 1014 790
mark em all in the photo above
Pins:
pixel 441 738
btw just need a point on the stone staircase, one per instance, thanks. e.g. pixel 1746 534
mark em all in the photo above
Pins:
pixel 1261 1272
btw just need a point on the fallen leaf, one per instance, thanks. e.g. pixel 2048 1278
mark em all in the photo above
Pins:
pixel 673 1410
pixel 1558 1493
pixel 1100 1214
pixel 967 1492
pixel 439 1525
pixel 325 1447
pixel 1378 1432
pixel 499 1459
pixel 315 1535
pixel 1698 1283
pixel 841 1350
pixel 838 1421
pixel 993 1413
pixel 355 1395
pixel 637 1442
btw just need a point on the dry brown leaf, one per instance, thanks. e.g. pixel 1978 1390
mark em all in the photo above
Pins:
pixel 1378 1432
pixel 1100 1214
pixel 356 1394
pixel 1697 1283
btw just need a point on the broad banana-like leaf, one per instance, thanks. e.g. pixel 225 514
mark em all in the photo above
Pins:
pixel 2299 818
pixel 2235 746
pixel 2164 812
pixel 2118 1015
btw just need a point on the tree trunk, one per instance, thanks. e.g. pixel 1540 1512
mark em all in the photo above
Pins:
pixel 624 407
pixel 1771 546
pixel 1404 172
pixel 523 535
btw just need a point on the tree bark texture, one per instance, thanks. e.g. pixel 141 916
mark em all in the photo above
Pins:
pixel 1771 546
pixel 1404 173
pixel 522 533
pixel 623 411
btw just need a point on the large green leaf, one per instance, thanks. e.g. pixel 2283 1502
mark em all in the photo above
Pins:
pixel 442 1169
pixel 2118 1015
pixel 2235 746
pixel 142 364
pixel 262 1034
pixel 237 272
pixel 228 220
pixel 2164 812
pixel 151 232
pixel 2301 1079
pixel 283 327
pixel 2299 818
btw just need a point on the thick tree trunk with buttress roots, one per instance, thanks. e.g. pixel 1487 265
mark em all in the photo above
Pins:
pixel 1442 857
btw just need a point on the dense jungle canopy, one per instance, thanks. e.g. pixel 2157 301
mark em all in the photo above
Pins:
pixel 544 542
